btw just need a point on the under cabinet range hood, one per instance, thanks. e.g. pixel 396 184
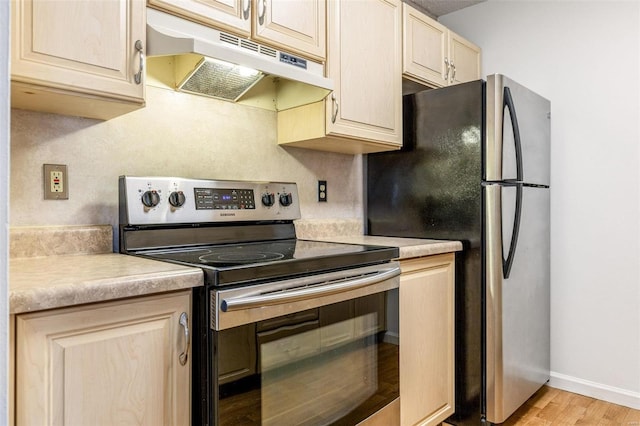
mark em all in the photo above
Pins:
pixel 193 58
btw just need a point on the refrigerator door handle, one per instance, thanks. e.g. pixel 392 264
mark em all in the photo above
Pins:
pixel 508 104
pixel 508 262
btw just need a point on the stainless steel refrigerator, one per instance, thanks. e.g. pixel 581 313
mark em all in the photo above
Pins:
pixel 475 167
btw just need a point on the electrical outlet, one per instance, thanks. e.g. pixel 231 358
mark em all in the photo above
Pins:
pixel 322 191
pixel 56 184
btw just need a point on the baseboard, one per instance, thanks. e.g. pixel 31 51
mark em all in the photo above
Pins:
pixel 595 390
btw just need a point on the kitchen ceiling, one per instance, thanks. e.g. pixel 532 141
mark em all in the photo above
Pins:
pixel 436 8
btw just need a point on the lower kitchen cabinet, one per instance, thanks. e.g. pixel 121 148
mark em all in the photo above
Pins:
pixel 427 340
pixel 104 364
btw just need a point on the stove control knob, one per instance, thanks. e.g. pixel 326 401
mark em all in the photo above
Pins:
pixel 151 198
pixel 268 199
pixel 177 199
pixel 285 199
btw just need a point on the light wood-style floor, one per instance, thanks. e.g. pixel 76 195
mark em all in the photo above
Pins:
pixel 551 406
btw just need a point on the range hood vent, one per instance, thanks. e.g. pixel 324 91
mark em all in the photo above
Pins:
pixel 220 80
pixel 193 58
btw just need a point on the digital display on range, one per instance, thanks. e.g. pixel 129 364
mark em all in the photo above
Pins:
pixel 224 199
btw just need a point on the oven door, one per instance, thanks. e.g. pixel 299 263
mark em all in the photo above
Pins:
pixel 306 351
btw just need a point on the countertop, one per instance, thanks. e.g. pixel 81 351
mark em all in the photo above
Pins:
pixel 59 266
pixel 38 283
pixel 84 270
pixel 409 247
pixel 352 230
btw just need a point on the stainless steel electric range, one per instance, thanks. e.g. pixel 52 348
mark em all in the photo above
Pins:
pixel 285 331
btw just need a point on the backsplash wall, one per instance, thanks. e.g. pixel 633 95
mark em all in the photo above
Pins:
pixel 176 134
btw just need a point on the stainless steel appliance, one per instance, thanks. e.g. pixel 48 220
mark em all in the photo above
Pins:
pixel 475 168
pixel 285 331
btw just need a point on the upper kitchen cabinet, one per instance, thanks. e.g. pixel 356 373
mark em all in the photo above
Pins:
pixel 464 59
pixel 433 55
pixel 364 112
pixel 294 26
pixel 81 58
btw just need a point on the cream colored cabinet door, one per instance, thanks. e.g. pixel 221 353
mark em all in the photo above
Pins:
pixel 365 63
pixel 104 364
pixel 465 59
pixel 433 55
pixel 298 26
pixel 78 57
pixel 230 15
pixel 425 48
pixel 294 26
pixel 364 58
pixel 427 340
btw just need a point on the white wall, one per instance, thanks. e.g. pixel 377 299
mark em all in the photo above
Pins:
pixel 584 57
pixel 4 202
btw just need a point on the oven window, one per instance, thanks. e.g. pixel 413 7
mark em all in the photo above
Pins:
pixel 333 365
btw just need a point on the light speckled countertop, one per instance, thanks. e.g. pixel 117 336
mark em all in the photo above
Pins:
pixel 409 247
pixel 83 269
pixel 58 266
pixel 38 283
pixel 351 231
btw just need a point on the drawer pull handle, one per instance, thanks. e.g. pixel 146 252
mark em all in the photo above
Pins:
pixel 262 12
pixel 336 107
pixel 137 77
pixel 308 292
pixel 246 9
pixel 446 74
pixel 184 322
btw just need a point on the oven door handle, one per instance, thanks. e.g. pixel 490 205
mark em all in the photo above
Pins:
pixel 318 290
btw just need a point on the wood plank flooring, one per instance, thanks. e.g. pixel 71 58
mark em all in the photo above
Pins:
pixel 551 406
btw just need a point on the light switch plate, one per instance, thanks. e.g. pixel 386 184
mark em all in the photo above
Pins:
pixel 56 182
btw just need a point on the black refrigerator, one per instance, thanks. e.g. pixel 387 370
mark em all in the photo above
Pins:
pixel 474 167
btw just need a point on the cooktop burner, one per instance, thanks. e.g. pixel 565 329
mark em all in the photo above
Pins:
pixel 240 258
pixel 234 263
pixel 229 255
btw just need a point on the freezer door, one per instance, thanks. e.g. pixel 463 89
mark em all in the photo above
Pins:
pixel 517 296
pixel 431 189
pixel 517 133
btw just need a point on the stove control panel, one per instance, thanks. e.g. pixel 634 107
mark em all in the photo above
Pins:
pixel 224 199
pixel 165 200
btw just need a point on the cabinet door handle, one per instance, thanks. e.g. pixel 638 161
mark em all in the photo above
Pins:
pixel 448 67
pixel 453 72
pixel 137 77
pixel 336 107
pixel 262 12
pixel 246 9
pixel 184 322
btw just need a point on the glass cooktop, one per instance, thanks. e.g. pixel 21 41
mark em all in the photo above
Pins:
pixel 239 263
